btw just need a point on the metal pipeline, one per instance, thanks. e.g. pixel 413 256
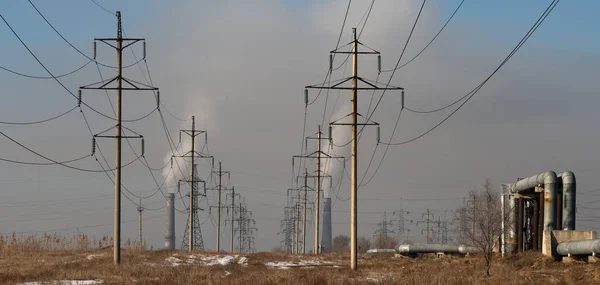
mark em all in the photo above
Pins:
pixel 409 249
pixel 568 200
pixel 580 247
pixel 381 250
pixel 549 180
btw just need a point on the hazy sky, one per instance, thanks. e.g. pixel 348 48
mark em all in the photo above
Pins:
pixel 240 67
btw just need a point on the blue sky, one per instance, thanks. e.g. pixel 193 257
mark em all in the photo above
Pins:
pixel 240 69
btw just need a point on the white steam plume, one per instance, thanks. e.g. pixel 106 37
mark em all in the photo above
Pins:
pixel 340 147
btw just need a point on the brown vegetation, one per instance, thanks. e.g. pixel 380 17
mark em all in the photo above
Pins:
pixel 150 267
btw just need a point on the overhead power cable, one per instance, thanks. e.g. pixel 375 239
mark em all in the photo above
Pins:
pixel 39 121
pixel 430 42
pixel 383 93
pixel 70 44
pixel 55 161
pixel 473 92
pixel 45 77
pixel 103 8
pixel 57 80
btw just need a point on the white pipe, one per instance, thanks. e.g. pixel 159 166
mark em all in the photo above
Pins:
pixel 568 198
pixel 580 247
pixel 549 180
pixel 435 248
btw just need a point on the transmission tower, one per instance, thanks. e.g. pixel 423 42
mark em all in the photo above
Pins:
pixel 120 44
pixel 400 225
pixel 219 173
pixel 427 221
pixel 197 243
pixel 231 208
pixel 193 179
pixel 367 85
pixel 383 232
pixel 288 229
pixel 247 229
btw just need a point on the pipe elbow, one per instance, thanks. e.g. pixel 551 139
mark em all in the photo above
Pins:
pixel 568 177
pixel 549 177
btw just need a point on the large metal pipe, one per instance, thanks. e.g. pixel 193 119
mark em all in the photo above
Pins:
pixel 381 250
pixel 512 224
pixel 549 180
pixel 409 249
pixel 568 200
pixel 170 236
pixel 581 247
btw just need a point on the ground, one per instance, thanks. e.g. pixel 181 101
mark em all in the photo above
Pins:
pixel 181 267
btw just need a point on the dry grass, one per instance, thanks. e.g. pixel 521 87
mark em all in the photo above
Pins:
pixel 150 267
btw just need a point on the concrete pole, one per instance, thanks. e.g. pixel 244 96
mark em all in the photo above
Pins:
pixel 117 216
pixel 354 158
pixel 427 232
pixel 240 224
pixel 294 237
pixel 192 180
pixel 317 193
pixel 140 210
pixel 232 215
pixel 219 212
pixel 304 218
pixel 298 224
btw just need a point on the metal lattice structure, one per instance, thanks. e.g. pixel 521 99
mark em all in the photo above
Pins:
pixel 198 243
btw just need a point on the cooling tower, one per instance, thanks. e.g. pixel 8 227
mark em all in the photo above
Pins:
pixel 170 237
pixel 326 239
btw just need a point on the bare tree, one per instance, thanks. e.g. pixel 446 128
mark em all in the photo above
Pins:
pixel 480 220
pixel 341 244
pixel 384 241
pixel 364 244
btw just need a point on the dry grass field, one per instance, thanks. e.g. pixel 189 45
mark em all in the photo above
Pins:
pixel 179 267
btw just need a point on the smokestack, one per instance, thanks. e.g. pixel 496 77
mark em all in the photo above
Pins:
pixel 170 237
pixel 326 239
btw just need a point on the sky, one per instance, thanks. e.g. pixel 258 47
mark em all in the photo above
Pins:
pixel 240 68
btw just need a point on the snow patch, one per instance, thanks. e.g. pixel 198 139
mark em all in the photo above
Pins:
pixel 243 261
pixel 65 282
pixel 301 264
pixel 93 256
pixel 203 260
pixel 174 261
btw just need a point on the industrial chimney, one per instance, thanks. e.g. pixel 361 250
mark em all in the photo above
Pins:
pixel 170 237
pixel 326 239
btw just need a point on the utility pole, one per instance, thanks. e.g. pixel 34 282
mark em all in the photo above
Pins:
pixel 104 85
pixel 304 218
pixel 192 154
pixel 319 174
pixel 232 214
pixel 428 216
pixel 232 219
pixel 220 173
pixel 371 85
pixel 140 209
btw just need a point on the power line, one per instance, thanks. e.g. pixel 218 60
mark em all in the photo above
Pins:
pixel 39 121
pixel 102 7
pixel 46 77
pixel 53 160
pixel 472 93
pixel 69 43
pixel 430 42
pixel 54 77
